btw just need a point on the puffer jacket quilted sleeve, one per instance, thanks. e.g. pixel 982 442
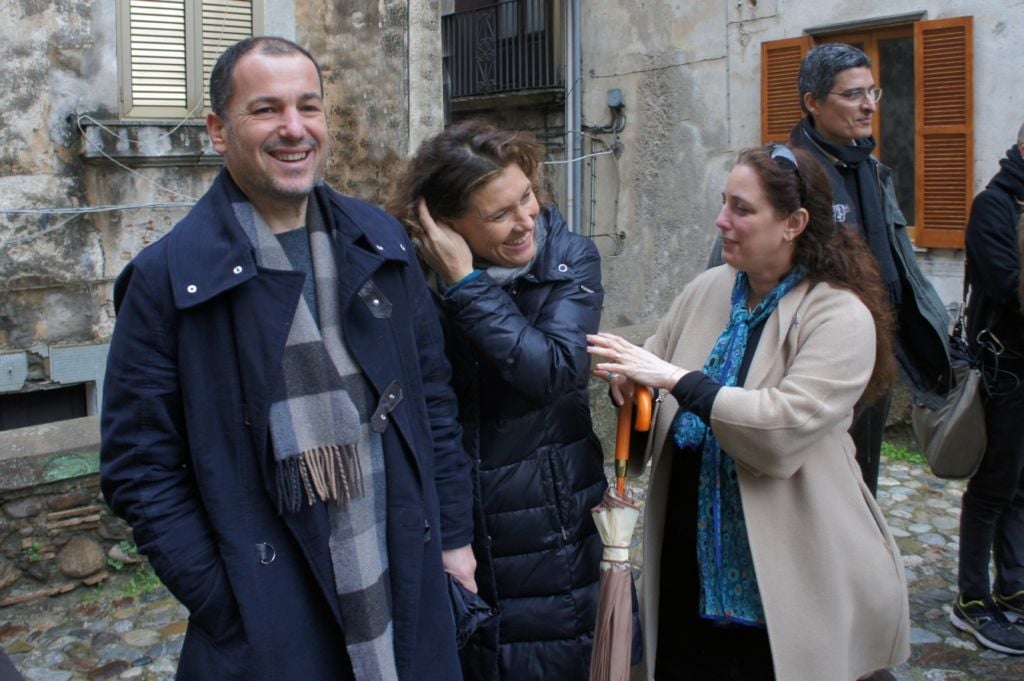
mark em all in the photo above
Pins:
pixel 540 351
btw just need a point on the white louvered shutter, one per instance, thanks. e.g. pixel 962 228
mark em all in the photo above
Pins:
pixel 224 23
pixel 157 53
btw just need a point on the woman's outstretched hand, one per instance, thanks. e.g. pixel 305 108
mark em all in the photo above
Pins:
pixel 626 364
pixel 441 247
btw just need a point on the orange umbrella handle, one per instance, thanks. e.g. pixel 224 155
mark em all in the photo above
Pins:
pixel 642 397
pixel 643 410
pixel 622 432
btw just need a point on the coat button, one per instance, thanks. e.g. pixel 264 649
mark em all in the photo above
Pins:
pixel 563 267
pixel 191 288
pixel 238 269
pixel 379 247
pixel 266 553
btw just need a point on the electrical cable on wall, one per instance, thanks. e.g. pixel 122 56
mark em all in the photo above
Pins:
pixel 593 134
pixel 578 158
pixel 154 183
pixel 76 212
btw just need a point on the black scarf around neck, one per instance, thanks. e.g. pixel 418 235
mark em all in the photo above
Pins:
pixel 856 184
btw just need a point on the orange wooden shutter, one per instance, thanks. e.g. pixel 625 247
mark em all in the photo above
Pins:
pixel 780 97
pixel 944 129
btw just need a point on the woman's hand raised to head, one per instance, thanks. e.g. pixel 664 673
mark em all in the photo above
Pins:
pixel 441 247
pixel 622 358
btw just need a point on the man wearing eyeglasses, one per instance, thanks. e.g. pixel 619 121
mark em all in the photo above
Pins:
pixel 840 97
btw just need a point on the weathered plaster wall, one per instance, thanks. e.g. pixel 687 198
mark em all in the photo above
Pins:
pixel 363 51
pixel 426 105
pixel 62 145
pixel 669 60
pixel 690 74
pixel 381 61
pixel 54 271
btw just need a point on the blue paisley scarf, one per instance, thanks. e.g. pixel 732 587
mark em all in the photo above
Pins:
pixel 728 583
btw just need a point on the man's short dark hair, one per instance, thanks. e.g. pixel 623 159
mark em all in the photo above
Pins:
pixel 821 65
pixel 221 85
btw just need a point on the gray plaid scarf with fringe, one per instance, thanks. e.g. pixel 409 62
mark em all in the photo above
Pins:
pixel 324 449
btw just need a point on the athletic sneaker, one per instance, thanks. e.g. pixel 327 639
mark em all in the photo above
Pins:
pixel 987 623
pixel 1012 606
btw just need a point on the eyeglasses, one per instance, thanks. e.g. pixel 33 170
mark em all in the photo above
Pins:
pixel 860 94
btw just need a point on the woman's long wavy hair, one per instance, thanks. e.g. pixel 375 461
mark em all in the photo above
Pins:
pixel 830 254
pixel 448 167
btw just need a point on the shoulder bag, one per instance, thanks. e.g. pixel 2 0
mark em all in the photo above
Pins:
pixel 952 436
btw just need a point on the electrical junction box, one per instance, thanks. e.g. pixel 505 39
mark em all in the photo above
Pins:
pixel 615 99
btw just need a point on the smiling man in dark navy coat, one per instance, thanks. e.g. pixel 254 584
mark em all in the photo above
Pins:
pixel 277 427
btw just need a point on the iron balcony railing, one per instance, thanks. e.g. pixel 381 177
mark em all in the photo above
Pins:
pixel 506 47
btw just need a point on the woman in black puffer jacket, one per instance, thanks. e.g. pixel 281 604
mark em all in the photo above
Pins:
pixel 517 294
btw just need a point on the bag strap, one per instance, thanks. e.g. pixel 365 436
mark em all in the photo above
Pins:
pixel 961 313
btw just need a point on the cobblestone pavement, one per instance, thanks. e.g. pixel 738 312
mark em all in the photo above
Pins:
pixel 119 631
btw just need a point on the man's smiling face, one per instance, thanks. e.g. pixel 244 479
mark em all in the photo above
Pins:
pixel 274 133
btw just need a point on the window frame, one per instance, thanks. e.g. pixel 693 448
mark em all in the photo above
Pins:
pixel 944 118
pixel 197 64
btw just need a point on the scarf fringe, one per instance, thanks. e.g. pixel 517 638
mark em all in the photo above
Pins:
pixel 330 473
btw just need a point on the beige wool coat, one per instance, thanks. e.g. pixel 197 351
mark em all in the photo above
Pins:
pixel 829 572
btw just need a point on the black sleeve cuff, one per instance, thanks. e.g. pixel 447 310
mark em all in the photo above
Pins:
pixel 696 393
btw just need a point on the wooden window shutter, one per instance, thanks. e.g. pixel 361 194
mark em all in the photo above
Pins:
pixel 157 53
pixel 224 23
pixel 780 97
pixel 944 129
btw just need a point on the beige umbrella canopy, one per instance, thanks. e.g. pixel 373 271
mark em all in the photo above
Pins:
pixel 616 518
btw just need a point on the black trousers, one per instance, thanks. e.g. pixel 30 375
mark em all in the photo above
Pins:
pixel 867 430
pixel 992 515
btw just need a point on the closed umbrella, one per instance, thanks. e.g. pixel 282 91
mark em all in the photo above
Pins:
pixel 616 518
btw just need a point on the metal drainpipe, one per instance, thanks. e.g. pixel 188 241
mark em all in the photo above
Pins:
pixel 573 119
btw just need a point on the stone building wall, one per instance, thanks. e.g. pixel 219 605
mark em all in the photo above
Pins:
pixel 65 145
pixel 56 534
pixel 368 52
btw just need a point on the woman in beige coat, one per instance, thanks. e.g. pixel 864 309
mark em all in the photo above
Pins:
pixel 765 555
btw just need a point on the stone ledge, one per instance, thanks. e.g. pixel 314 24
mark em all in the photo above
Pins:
pixel 49 452
pixel 151 143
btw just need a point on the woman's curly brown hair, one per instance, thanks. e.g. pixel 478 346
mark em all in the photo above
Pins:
pixel 448 167
pixel 830 254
